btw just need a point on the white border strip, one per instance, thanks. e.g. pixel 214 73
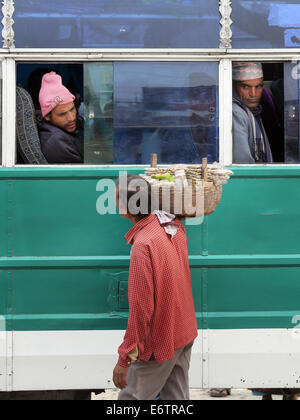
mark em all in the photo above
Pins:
pixel 225 112
pixel 257 358
pixel 9 113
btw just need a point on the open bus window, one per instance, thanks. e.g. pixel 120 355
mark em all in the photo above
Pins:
pixel 117 24
pixel 40 141
pixel 266 24
pixel 258 116
pixel 277 114
pixel 131 110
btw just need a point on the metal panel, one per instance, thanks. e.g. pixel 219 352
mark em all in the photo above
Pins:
pixel 237 284
pixel 123 295
pixel 2 356
pixel 75 360
pixel 6 336
pixel 60 207
pixel 63 211
pixel 3 336
pixel 253 359
pixel 253 297
pixel 67 299
pixel 258 213
pixel 3 218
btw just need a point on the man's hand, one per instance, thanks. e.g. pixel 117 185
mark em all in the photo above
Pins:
pixel 120 376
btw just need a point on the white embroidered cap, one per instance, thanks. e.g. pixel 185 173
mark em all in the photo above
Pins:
pixel 247 71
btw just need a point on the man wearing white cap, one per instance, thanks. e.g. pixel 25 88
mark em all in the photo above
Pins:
pixel 250 140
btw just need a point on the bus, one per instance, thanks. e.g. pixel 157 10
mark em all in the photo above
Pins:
pixel 149 76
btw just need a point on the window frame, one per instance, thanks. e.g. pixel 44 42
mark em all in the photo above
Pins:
pixel 16 57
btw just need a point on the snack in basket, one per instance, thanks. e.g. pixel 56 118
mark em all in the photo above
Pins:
pixel 167 177
pixel 188 190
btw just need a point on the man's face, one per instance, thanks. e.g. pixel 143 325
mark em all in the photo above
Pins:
pixel 64 117
pixel 250 92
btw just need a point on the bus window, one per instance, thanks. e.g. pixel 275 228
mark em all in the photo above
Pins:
pixel 278 112
pixel 117 24
pixel 29 121
pixel 266 24
pixel 129 110
pixel 135 109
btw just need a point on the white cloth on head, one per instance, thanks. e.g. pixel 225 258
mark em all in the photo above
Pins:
pixel 167 221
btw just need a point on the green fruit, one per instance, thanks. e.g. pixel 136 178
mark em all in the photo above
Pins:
pixel 166 177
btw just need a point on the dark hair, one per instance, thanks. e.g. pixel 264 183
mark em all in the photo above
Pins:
pixel 135 185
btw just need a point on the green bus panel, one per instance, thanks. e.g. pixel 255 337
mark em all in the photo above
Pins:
pixel 257 216
pixel 64 291
pixel 78 299
pixel 63 266
pixel 5 227
pixel 60 218
pixel 3 292
pixel 252 297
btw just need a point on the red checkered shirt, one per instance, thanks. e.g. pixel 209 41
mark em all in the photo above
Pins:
pixel 161 307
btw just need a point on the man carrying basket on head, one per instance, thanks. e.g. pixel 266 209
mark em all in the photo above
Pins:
pixel 154 357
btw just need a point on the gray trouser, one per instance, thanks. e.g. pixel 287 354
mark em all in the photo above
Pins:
pixel 146 380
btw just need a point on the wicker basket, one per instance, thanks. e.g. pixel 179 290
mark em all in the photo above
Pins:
pixel 197 200
pixel 192 201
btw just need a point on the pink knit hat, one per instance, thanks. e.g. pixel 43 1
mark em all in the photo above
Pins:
pixel 53 93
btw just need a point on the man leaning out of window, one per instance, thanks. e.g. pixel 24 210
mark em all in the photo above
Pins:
pixel 250 140
pixel 61 133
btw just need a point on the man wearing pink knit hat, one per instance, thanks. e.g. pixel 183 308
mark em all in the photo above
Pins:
pixel 60 132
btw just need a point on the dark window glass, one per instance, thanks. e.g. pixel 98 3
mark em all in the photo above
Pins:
pixel 117 23
pixel 291 111
pixel 99 113
pixel 266 23
pixel 135 109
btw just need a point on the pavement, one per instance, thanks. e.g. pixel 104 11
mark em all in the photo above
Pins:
pixel 196 395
